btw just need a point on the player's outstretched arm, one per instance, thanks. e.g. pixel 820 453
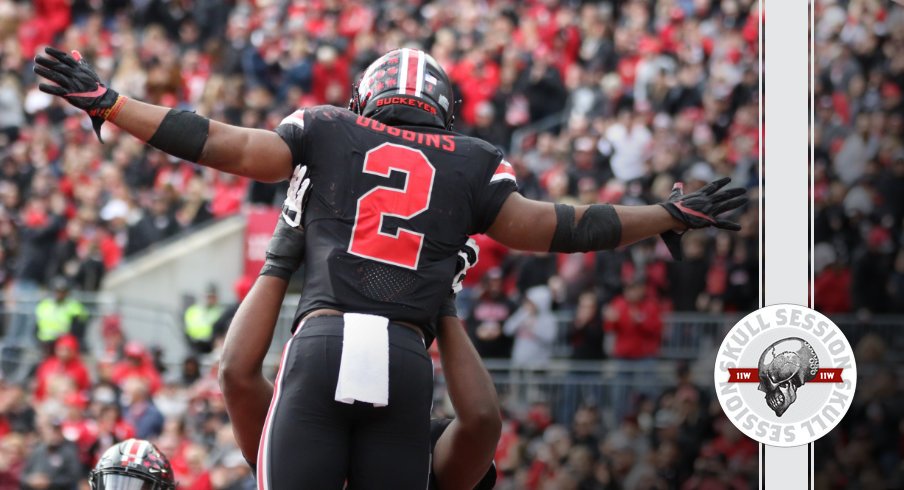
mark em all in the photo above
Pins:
pixel 537 226
pixel 254 153
pixel 246 391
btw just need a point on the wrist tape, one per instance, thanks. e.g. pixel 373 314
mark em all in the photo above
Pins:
pixel 448 307
pixel 285 251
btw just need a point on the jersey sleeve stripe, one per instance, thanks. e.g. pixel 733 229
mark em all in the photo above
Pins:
pixel 504 172
pixel 296 118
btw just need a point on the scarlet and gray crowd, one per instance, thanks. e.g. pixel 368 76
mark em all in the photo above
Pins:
pixel 620 99
pixel 859 229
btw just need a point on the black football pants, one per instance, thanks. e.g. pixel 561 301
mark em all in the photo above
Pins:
pixel 310 441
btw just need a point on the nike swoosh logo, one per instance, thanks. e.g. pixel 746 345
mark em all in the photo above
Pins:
pixel 694 213
pixel 94 93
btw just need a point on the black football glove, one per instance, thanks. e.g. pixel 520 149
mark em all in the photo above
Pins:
pixel 701 209
pixel 285 252
pixel 671 238
pixel 77 83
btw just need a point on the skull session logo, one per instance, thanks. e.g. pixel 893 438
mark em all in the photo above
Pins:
pixel 785 375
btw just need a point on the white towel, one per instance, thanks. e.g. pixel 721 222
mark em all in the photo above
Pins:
pixel 364 368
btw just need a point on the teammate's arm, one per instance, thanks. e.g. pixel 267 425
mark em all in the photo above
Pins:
pixel 530 225
pixel 246 391
pixel 466 449
pixel 254 153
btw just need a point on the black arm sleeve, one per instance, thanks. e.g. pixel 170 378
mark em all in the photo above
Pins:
pixel 598 229
pixel 182 134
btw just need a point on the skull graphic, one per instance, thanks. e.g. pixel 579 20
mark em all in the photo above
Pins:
pixel 784 367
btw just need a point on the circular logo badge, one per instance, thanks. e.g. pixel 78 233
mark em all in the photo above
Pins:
pixel 785 375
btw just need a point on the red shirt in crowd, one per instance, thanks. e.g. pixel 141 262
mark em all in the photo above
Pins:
pixel 136 364
pixel 64 363
pixel 637 327
pixel 832 288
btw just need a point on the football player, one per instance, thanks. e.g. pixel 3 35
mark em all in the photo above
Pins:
pixel 462 448
pixel 133 464
pixel 396 194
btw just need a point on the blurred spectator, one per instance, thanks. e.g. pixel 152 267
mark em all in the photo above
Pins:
pixel 136 364
pixel 140 410
pixel 200 319
pixel 634 319
pixel 60 315
pixel 113 340
pixel 832 286
pixel 79 429
pixel 870 272
pixel 64 368
pixel 490 312
pixel 687 279
pixel 636 322
pixel 534 328
pixel 54 462
pixel 585 334
pixel 17 415
pixel 157 223
pixel 111 429
pixel 896 283
pixel 12 460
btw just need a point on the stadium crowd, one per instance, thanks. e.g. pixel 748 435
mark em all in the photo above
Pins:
pixel 859 229
pixel 619 99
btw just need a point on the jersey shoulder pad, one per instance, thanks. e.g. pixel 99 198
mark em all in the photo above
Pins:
pixel 306 116
pixel 484 148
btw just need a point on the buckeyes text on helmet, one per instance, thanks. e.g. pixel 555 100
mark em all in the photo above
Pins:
pixel 407 86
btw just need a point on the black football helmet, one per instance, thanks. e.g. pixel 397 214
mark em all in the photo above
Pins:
pixel 407 85
pixel 133 464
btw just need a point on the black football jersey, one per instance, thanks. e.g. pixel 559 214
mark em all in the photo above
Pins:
pixel 389 209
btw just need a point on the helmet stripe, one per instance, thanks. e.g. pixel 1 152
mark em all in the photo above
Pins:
pixel 126 451
pixel 419 76
pixel 411 86
pixel 403 71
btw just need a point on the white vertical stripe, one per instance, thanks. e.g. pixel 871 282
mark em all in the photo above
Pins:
pixel 419 83
pixel 263 467
pixel 786 192
pixel 403 71
pixel 126 451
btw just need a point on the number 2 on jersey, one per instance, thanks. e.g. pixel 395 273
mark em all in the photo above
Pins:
pixel 403 248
